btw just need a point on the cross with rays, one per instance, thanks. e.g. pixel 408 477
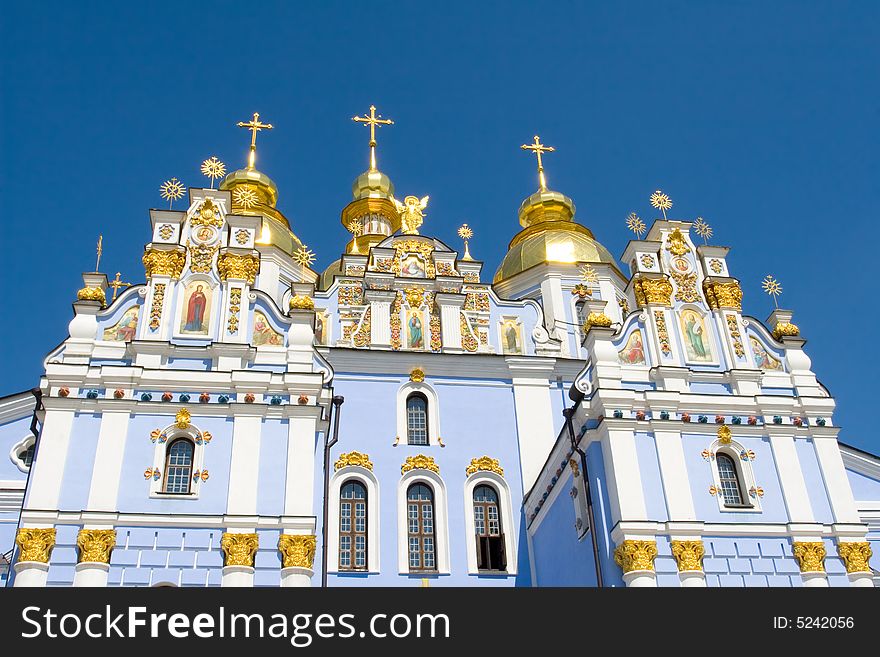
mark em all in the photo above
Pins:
pixel 538 149
pixel 372 120
pixel 117 283
pixel 254 126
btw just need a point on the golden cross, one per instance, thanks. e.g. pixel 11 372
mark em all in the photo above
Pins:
pixel 373 120
pixel 254 126
pixel 117 283
pixel 538 148
pixel 100 251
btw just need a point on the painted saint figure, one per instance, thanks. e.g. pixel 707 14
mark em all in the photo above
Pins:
pixel 264 334
pixel 695 335
pixel 195 311
pixel 634 352
pixel 416 340
pixel 696 340
pixel 511 338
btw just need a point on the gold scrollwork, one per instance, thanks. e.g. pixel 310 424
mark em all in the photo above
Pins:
pixel 417 375
pixel 723 294
pixel 786 329
pixel 207 215
pixel 182 418
pixel 724 435
pixel 240 267
pixel 415 296
pixel 161 262
pixel 686 287
pixel 855 555
pixel 299 302
pixel 677 244
pixel 297 550
pixel 92 294
pixel 653 290
pixel 419 462
pixel 484 463
pixel 355 459
pixel 239 549
pixel 35 544
pixel 810 556
pixel 596 319
pixel 688 555
pixel 632 555
pixel 95 545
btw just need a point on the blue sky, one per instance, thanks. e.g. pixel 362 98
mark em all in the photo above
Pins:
pixel 761 117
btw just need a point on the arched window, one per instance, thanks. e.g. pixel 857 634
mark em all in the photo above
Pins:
pixel 417 419
pixel 731 490
pixel 26 455
pixel 353 526
pixel 420 528
pixel 178 466
pixel 488 529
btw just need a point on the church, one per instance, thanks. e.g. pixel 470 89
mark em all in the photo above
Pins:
pixel 405 418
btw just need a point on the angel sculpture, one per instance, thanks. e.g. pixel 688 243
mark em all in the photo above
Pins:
pixel 412 213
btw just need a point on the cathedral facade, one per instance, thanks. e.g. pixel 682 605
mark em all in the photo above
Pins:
pixel 404 418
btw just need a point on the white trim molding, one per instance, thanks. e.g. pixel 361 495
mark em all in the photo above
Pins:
pixel 428 391
pixel 504 500
pixel 441 520
pixel 22 445
pixel 745 475
pixel 160 452
pixel 368 479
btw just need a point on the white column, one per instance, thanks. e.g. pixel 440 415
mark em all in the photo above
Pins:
pixel 673 472
pixel 31 574
pixel 534 425
pixel 107 468
pixel 624 475
pixel 692 579
pixel 640 579
pixel 791 477
pixel 299 481
pixel 237 576
pixel 296 577
pixel 815 580
pixel 553 302
pixel 145 330
pixel 91 574
pixel 861 580
pixel 843 505
pixel 450 319
pixel 48 470
pixel 380 316
pixel 244 469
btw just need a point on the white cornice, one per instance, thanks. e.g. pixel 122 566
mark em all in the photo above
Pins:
pixel 17 406
pixel 860 462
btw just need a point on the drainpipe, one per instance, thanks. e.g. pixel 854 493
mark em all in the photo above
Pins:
pixel 336 406
pixel 569 414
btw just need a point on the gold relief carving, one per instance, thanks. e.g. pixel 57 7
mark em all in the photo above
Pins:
pixel 596 319
pixel 299 302
pixel 350 295
pixel 419 462
pixel 92 294
pixel 855 555
pixel 415 296
pixel 362 335
pixel 724 435
pixel 478 301
pixel 676 244
pixel 662 332
pixel 735 335
pixel 182 419
pixel 156 308
pixel 163 263
pixel 35 544
pixel 234 308
pixel 581 290
pixel 417 375
pixel 395 321
pixel 436 330
pixel 201 256
pixel 241 236
pixel 166 231
pixel 241 267
pixel 635 555
pixel 484 463
pixel 207 215
pixel 412 213
pixel 239 549
pixel 686 287
pixel 653 290
pixel 647 261
pixel 423 249
pixel 297 550
pixel 723 295
pixel 471 277
pixel 785 329
pixel 688 555
pixel 715 266
pixel 810 556
pixel 95 545
pixel 468 341
pixel 623 303
pixel 353 459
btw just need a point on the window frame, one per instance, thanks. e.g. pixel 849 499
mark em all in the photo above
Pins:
pixel 30 440
pixel 433 413
pixel 190 467
pixel 369 481
pixel 418 396
pixel 353 533
pixel 745 476
pixel 160 460
pixel 421 505
pixel 441 522
pixel 509 526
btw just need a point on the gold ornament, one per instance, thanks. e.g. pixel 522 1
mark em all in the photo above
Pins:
pixel 786 329
pixel 99 250
pixel 412 213
pixel 201 256
pixel 297 550
pixel 92 294
pixel 636 225
pixel 735 335
pixel 299 302
pixel 632 555
pixel 703 229
pixel 355 459
pixel 466 233
pixel 484 463
pixel 213 169
pixel 171 190
pixel 418 247
pixel 239 267
pixel 234 309
pixel 810 556
pixel 182 419
pixel 688 555
pixel 156 308
pixel 677 244
pixel 724 435
pixel 686 287
pixel 117 283
pixel 245 197
pixel 304 257
pixel 723 295
pixel 653 290
pixel 158 262
pixel 855 555
pixel 772 287
pixel 539 149
pixel 417 375
pixel 596 319
pixel 95 545
pixel 419 462
pixel 415 296
pixel 207 215
pixel 35 545
pixel 372 121
pixel 589 275
pixel 239 549
pixel 254 125
pixel 661 202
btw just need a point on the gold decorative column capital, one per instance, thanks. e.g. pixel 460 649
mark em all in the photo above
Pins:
pixel 653 290
pixel 300 302
pixel 161 262
pixel 855 555
pixel 95 545
pixel 92 294
pixel 35 544
pixel 297 550
pixel 723 294
pixel 810 556
pixel 632 555
pixel 596 319
pixel 688 555
pixel 239 549
pixel 240 267
pixel 786 329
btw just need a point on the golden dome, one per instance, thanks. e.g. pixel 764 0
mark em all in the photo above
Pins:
pixel 550 235
pixel 326 279
pixel 372 184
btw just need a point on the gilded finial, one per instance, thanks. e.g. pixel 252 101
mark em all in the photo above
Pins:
pixel 635 224
pixel 538 149
pixel 703 229
pixel 356 228
pixel 661 202
pixel 589 278
pixel 372 120
pixel 117 283
pixel 100 250
pixel 172 190
pixel 772 287
pixel 213 169
pixel 254 125
pixel 304 257
pixel 465 232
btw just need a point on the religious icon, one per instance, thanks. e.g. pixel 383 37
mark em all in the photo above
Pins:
pixel 124 330
pixel 633 353
pixel 763 360
pixel 205 234
pixel 196 308
pixel 681 264
pixel 413 267
pixel 511 337
pixel 321 327
pixel 696 339
pixel 415 335
pixel 264 334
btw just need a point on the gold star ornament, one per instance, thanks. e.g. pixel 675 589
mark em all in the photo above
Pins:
pixel 703 229
pixel 245 197
pixel 661 202
pixel 304 257
pixel 772 287
pixel 635 224
pixel 171 190
pixel 213 169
